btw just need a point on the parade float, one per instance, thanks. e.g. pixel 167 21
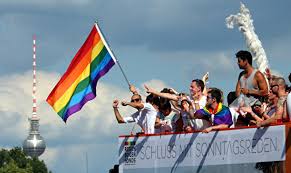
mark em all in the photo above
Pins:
pixel 247 149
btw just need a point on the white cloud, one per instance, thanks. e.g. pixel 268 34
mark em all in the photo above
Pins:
pixel 213 60
pixel 50 156
pixel 217 61
pixel 154 83
pixel 276 73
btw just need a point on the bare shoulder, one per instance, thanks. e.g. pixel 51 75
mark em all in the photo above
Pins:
pixel 259 75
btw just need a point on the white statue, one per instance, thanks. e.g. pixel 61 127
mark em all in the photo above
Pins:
pixel 245 25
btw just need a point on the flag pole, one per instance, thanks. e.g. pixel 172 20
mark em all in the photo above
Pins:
pixel 111 52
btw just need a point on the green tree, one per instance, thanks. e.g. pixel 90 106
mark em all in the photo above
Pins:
pixel 38 166
pixel 19 157
pixel 4 158
pixel 15 161
pixel 12 167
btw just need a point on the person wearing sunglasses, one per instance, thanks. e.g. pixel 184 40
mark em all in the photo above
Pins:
pixel 146 113
pixel 278 87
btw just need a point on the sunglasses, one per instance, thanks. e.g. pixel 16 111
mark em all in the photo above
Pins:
pixel 208 97
pixel 257 105
pixel 272 86
pixel 135 100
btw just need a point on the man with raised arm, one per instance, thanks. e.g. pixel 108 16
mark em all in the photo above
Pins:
pixel 197 99
pixel 214 111
pixel 164 110
pixel 146 115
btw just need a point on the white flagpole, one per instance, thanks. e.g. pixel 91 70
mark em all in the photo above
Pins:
pixel 110 51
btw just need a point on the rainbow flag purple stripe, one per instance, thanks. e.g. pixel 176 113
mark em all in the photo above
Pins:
pixel 78 84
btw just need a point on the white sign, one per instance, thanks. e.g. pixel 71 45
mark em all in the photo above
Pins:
pixel 236 146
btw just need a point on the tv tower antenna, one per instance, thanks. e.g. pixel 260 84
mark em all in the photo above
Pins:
pixel 34 115
pixel 34 144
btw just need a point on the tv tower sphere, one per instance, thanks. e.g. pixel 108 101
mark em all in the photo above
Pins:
pixel 34 144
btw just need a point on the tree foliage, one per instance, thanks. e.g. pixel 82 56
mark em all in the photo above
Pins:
pixel 15 161
pixel 11 167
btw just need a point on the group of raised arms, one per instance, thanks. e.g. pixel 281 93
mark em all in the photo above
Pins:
pixel 260 99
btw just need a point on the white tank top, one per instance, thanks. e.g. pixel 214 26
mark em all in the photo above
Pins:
pixel 248 84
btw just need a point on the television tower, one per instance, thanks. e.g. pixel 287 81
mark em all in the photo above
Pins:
pixel 34 144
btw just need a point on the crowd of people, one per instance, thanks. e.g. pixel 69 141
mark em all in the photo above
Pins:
pixel 260 99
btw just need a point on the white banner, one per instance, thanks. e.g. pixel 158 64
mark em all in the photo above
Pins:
pixel 238 146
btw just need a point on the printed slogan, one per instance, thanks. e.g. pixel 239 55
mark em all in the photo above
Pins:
pixel 193 149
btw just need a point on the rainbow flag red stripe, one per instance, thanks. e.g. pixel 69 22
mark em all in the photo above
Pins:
pixel 78 84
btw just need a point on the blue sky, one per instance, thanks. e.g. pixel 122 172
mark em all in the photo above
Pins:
pixel 161 43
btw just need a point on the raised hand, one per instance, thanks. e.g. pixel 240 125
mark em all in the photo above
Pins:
pixel 115 103
pixel 148 89
pixel 132 89
pixel 205 77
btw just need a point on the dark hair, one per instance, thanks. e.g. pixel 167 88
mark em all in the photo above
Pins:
pixel 231 97
pixel 165 105
pixel 221 93
pixel 136 95
pixel 199 83
pixel 165 90
pixel 245 55
pixel 153 99
pixel 288 88
pixel 215 93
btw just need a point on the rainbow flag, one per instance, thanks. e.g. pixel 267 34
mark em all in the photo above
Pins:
pixel 222 114
pixel 78 85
